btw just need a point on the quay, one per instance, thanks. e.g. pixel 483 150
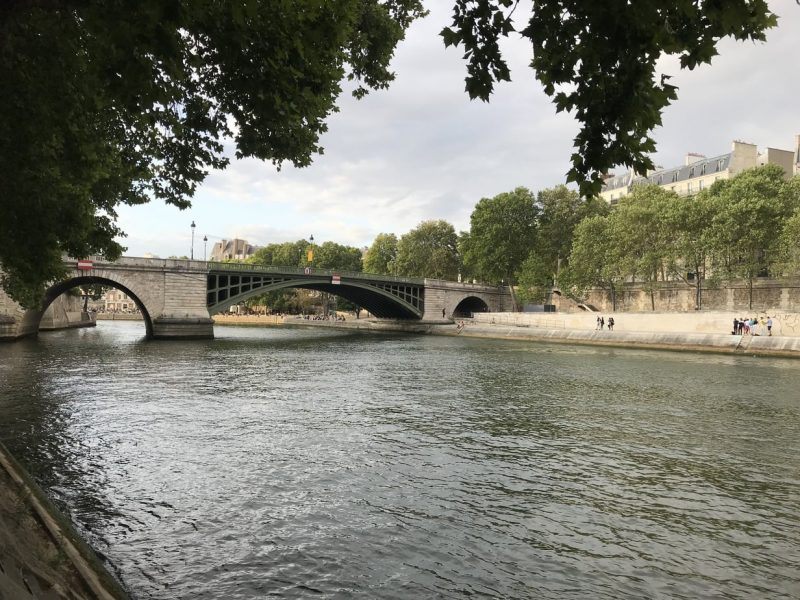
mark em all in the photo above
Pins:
pixel 42 557
pixel 695 332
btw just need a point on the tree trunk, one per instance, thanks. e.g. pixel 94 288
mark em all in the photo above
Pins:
pixel 750 292
pixel 613 298
pixel 513 295
pixel 698 290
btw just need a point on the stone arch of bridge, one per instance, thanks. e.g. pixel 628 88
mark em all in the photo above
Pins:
pixel 469 305
pixel 379 302
pixel 63 286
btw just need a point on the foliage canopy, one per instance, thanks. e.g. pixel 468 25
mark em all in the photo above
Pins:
pixel 105 104
pixel 598 60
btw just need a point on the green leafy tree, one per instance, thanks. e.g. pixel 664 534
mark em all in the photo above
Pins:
pixel 107 103
pixel 331 255
pixel 596 259
pixel 598 60
pixel 382 255
pixel 561 209
pixel 789 246
pixel 429 250
pixel 501 235
pixel 642 235
pixel 466 271
pixel 687 259
pixel 749 211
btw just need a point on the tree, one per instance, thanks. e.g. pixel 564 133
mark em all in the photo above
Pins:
pixel 561 209
pixel 642 235
pixel 382 255
pixel 688 219
pixel 501 235
pixel 105 104
pixel 430 250
pixel 595 259
pixel 331 255
pixel 598 59
pixel 789 245
pixel 749 212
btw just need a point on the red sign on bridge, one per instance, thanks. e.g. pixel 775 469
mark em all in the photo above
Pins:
pixel 85 265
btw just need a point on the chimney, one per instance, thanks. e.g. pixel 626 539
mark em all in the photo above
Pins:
pixel 692 158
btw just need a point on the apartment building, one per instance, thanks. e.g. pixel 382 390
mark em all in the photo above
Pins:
pixel 699 172
pixel 235 249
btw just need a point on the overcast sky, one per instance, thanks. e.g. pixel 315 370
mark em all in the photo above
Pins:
pixel 422 150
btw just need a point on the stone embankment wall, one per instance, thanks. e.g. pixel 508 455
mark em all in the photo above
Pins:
pixel 785 324
pixel 769 295
pixel 65 312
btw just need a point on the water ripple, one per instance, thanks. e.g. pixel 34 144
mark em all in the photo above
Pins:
pixel 298 463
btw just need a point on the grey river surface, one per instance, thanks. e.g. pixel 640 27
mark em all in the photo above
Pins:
pixel 299 463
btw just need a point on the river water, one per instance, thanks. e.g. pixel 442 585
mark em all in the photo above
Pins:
pixel 317 463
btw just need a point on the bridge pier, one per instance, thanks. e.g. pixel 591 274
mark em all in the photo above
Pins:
pixel 190 328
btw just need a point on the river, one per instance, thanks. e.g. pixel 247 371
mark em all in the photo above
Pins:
pixel 300 462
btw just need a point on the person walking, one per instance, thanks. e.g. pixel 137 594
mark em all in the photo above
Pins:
pixel 769 326
pixel 598 323
pixel 611 323
pixel 602 323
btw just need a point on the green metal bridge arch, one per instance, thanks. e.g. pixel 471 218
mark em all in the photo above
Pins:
pixel 383 296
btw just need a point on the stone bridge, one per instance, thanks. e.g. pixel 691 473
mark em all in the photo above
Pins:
pixel 178 297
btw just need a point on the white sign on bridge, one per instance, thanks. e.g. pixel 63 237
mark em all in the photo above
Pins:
pixel 85 265
pixel 336 279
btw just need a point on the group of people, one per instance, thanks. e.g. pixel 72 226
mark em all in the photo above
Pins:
pixel 752 326
pixel 601 323
pixel 330 317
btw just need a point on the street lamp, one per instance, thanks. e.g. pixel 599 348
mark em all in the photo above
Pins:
pixel 205 245
pixel 191 254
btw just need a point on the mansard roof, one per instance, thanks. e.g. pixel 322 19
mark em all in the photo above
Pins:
pixel 705 166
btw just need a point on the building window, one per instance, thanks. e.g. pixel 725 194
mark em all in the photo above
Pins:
pixel 691 172
pixel 703 171
pixel 689 187
pixel 700 184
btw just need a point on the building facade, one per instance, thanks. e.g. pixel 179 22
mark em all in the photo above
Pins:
pixel 117 301
pixel 234 249
pixel 699 172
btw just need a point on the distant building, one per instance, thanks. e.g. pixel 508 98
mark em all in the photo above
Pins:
pixel 699 172
pixel 235 249
pixel 117 301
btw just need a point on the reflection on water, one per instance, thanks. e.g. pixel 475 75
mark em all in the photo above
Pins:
pixel 298 462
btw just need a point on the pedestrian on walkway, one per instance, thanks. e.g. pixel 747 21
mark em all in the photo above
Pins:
pixel 611 323
pixel 769 326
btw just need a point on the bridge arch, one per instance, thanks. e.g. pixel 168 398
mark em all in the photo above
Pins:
pixel 469 305
pixel 377 301
pixel 63 286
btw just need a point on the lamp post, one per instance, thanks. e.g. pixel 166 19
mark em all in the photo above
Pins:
pixel 205 246
pixel 191 253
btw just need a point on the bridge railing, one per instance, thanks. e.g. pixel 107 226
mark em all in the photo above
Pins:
pixel 254 268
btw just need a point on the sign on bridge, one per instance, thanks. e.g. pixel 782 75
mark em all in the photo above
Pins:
pixel 85 265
